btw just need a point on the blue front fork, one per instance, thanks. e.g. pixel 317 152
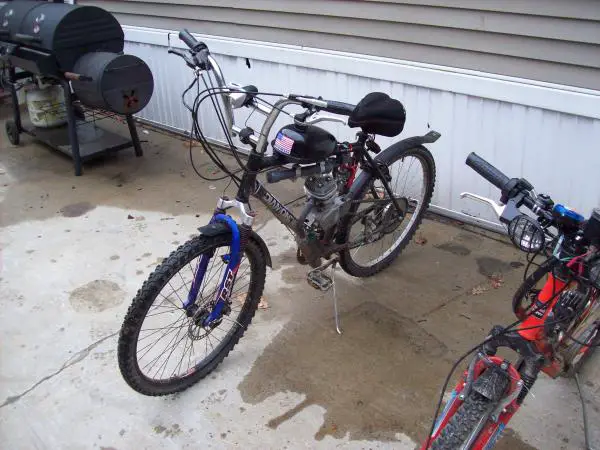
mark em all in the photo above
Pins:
pixel 233 262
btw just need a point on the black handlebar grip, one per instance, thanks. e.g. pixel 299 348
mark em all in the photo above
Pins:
pixel 487 171
pixel 274 176
pixel 188 39
pixel 344 109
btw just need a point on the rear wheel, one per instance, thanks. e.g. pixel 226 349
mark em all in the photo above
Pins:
pixel 162 350
pixel 579 352
pixel 376 232
pixel 526 295
pixel 470 415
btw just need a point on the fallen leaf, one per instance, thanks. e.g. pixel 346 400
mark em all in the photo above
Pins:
pixel 194 144
pixel 496 282
pixel 239 297
pixel 263 304
pixel 478 290
pixel 420 239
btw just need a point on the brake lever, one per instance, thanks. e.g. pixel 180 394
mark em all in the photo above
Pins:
pixel 497 207
pixel 316 117
pixel 183 55
pixel 505 212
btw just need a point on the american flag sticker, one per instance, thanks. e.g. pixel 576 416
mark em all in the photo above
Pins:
pixel 283 144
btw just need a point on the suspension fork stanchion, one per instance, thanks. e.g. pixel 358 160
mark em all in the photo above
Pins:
pixel 235 256
pixel 200 271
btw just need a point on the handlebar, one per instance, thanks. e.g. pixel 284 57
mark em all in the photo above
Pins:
pixel 191 41
pixel 487 171
pixel 334 107
pixel 512 188
pixel 198 58
pixel 341 108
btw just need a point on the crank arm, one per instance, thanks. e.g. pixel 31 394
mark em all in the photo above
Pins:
pixel 327 263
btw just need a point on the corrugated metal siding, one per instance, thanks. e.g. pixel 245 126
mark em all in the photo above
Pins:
pixel 548 40
pixel 557 152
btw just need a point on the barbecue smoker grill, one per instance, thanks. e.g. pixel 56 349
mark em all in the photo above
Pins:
pixel 79 50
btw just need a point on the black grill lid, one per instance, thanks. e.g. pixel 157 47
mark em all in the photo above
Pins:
pixel 65 31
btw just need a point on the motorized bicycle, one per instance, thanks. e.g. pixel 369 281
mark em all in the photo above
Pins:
pixel 556 306
pixel 360 211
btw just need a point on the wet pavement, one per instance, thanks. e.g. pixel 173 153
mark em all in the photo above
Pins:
pixel 76 249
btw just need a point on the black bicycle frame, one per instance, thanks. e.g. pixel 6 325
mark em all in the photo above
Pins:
pixel 251 186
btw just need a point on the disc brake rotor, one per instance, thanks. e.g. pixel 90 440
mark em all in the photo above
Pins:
pixel 391 217
pixel 384 220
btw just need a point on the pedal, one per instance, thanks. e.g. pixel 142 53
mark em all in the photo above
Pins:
pixel 318 280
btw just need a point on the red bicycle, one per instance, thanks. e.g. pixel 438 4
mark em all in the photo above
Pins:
pixel 557 311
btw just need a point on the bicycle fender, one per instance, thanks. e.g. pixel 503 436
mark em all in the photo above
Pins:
pixel 388 155
pixel 491 384
pixel 218 228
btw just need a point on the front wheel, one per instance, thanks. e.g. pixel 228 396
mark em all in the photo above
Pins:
pixel 470 416
pixel 373 228
pixel 163 349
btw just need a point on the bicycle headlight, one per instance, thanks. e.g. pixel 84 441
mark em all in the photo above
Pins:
pixel 526 234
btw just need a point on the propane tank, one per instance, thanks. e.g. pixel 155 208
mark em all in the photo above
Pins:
pixel 46 106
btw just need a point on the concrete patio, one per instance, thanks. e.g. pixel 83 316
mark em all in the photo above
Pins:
pixel 74 250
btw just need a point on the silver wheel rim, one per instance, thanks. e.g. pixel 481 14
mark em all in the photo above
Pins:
pixel 401 180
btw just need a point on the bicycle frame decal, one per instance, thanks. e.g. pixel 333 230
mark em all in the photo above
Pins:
pixel 233 263
pixel 275 206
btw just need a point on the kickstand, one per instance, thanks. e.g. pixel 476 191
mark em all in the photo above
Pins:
pixel 317 279
pixel 335 307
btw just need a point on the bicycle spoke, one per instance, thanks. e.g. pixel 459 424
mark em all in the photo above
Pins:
pixel 234 321
pixel 373 232
pixel 191 354
pixel 176 293
pixel 170 308
pixel 164 365
pixel 161 328
pixel 151 346
pixel 185 349
pixel 184 283
pixel 156 358
pixel 162 312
